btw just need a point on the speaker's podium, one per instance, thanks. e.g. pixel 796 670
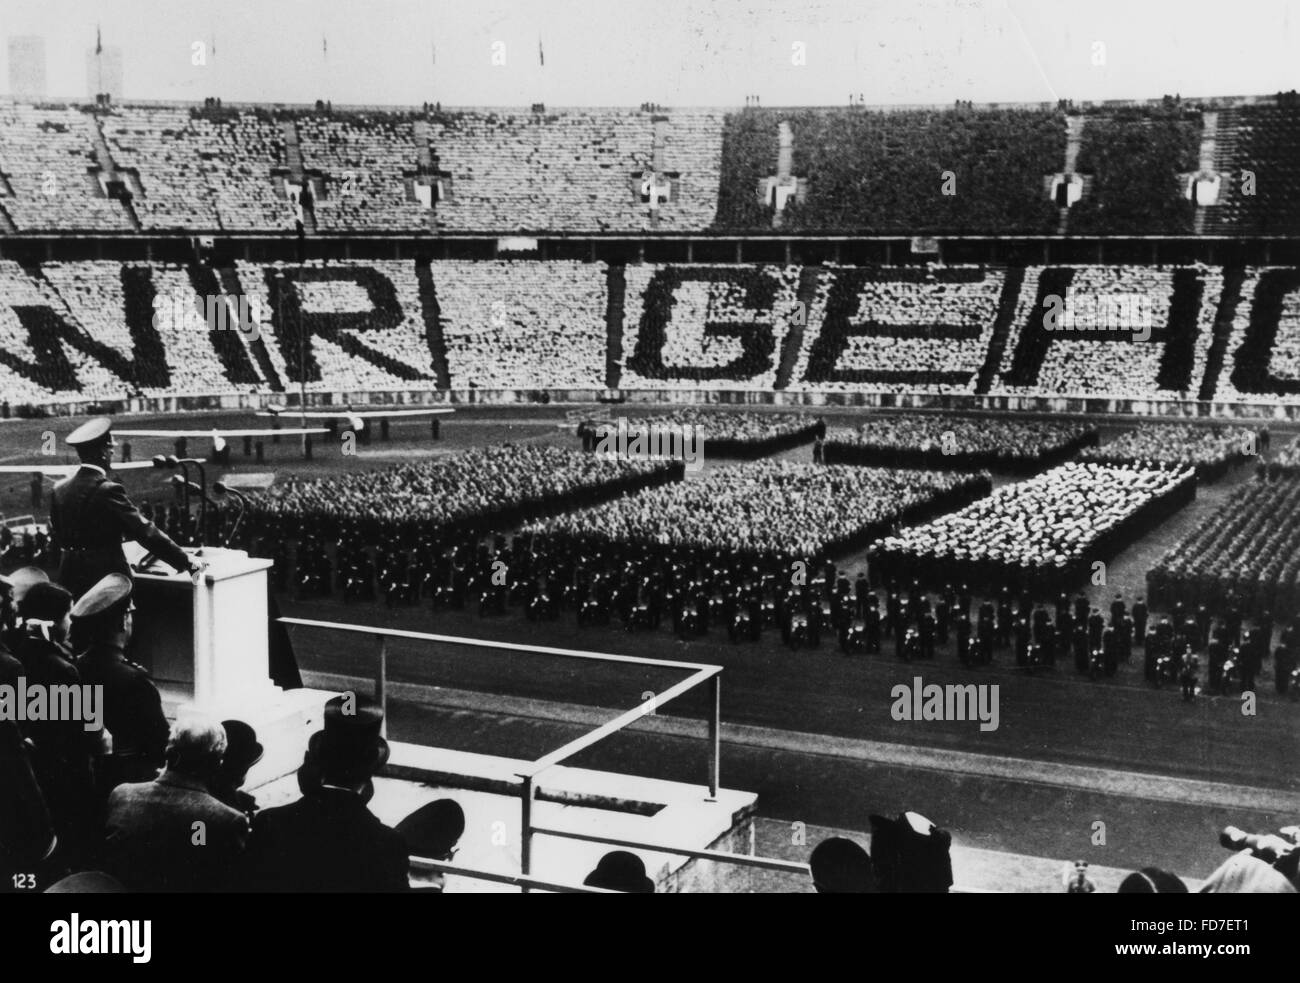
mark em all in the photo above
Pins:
pixel 207 645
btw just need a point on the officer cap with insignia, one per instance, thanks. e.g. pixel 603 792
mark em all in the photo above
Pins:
pixel 109 596
pixel 91 434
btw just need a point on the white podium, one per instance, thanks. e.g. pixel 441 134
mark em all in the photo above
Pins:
pixel 207 647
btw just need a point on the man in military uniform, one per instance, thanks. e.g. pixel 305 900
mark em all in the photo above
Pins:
pixel 90 516
pixel 1140 620
pixel 132 707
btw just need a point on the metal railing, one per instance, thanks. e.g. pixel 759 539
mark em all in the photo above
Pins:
pixel 699 673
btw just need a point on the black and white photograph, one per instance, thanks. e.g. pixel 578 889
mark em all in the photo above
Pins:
pixel 698 447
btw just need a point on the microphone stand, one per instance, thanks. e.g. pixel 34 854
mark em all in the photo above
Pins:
pixel 221 488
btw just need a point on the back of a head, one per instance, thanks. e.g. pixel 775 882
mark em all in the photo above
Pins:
pixel 45 602
pixel 840 866
pixel 619 870
pixel 1152 880
pixel 196 746
pixel 911 854
pixel 434 828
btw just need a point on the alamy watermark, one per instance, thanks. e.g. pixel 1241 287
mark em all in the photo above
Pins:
pixel 38 703
pixel 1087 311
pixel 969 701
pixel 218 312
pixel 622 441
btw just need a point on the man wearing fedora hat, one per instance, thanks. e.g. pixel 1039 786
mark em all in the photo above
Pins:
pixel 91 515
pixel 328 841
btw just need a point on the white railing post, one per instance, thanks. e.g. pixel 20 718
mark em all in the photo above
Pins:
pixel 526 829
pixel 381 684
pixel 715 734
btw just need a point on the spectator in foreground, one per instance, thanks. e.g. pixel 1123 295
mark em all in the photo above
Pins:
pixel 242 752
pixel 619 870
pixel 27 838
pixel 911 855
pixel 840 866
pixel 133 713
pixel 172 834
pixel 1243 873
pixel 62 749
pixel 328 841
pixel 433 831
pixel 1152 880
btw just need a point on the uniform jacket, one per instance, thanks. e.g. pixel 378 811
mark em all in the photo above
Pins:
pixel 90 517
pixel 133 710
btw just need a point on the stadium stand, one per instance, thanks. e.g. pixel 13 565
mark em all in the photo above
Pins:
pixel 880 173
pixel 577 171
pixel 1260 192
pixel 523 325
pixel 956 171
pixel 48 158
pixel 517 327
pixel 369 162
pixel 201 172
pixel 1134 161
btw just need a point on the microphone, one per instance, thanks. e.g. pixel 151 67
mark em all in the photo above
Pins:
pixel 180 482
pixel 221 488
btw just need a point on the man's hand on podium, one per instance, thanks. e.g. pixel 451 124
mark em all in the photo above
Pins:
pixel 196 570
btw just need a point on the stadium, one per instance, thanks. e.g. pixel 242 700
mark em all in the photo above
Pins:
pixel 993 539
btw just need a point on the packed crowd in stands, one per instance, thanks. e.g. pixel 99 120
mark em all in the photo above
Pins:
pixel 201 173
pixel 1246 553
pixel 1210 450
pixel 368 158
pixel 532 172
pixel 1262 139
pixel 1043 533
pixel 882 172
pixel 1262 357
pixel 899 329
pixel 1132 164
pixel 48 158
pixel 687 327
pixel 1140 332
pixel 108 330
pixel 939 441
pixel 522 325
pixel 588 171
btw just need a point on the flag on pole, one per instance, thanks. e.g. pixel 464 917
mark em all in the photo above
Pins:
pixel 434 48
pixel 99 41
pixel 541 56
pixel 324 46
